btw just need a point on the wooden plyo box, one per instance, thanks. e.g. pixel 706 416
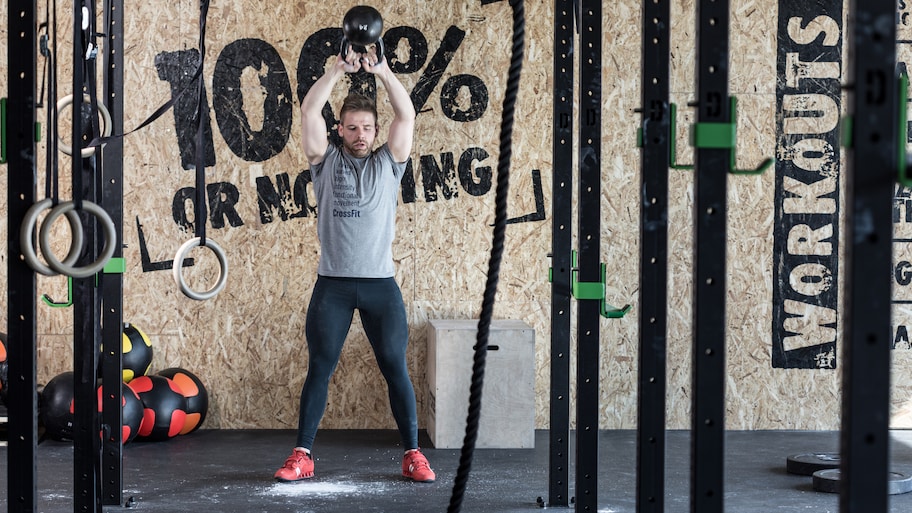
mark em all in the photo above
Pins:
pixel 507 418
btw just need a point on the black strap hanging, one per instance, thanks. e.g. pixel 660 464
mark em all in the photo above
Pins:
pixel 201 195
pixel 49 51
pixel 165 107
pixel 200 204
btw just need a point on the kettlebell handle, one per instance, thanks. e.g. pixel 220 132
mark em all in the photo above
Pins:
pixel 347 45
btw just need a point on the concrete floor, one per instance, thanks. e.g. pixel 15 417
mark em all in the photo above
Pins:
pixel 230 471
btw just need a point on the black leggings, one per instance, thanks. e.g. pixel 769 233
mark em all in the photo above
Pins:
pixel 329 316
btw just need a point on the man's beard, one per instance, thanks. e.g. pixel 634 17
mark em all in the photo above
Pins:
pixel 358 152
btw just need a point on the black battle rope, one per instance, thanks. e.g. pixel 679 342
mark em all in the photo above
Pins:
pixel 200 206
pixel 497 245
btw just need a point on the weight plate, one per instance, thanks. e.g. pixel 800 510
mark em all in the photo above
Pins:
pixel 806 464
pixel 828 481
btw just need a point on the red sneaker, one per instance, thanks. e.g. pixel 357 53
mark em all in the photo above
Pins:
pixel 298 466
pixel 416 467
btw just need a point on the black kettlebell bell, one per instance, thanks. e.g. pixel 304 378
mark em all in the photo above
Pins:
pixel 361 27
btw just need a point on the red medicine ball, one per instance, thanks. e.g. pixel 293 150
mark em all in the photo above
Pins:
pixel 4 368
pixel 164 407
pixel 132 412
pixel 197 398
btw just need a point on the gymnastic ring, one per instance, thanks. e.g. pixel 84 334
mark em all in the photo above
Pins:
pixel 26 237
pixel 66 101
pixel 110 243
pixel 177 269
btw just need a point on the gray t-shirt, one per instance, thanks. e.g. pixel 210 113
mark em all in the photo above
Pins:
pixel 356 212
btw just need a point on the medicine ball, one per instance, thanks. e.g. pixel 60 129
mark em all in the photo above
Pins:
pixel 164 407
pixel 137 352
pixel 4 368
pixel 193 390
pixel 132 415
pixel 56 412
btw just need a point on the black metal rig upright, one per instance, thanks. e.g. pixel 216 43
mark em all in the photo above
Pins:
pixel 112 282
pixel 86 298
pixel 21 292
pixel 561 236
pixel 589 240
pixel 873 161
pixel 656 141
pixel 712 166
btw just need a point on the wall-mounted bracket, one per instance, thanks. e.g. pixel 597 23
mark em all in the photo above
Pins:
pixel 902 134
pixel 114 266
pixel 61 304
pixel 594 290
pixel 845 131
pixel 724 136
pixel 672 138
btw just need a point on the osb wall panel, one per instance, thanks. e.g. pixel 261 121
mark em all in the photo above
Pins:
pixel 247 344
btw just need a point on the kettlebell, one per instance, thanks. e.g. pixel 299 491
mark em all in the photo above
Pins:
pixel 361 27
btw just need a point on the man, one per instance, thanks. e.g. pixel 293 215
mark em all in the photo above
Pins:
pixel 357 191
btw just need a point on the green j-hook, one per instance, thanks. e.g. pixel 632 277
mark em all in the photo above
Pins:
pixel 594 290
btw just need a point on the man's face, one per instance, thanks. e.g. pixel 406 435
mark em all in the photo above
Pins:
pixel 358 130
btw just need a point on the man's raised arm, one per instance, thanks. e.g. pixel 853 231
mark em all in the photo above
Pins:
pixel 313 126
pixel 402 127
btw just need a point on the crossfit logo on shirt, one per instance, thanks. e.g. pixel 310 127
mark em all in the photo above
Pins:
pixel 346 213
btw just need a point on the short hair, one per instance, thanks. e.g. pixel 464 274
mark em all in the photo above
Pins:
pixel 356 102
